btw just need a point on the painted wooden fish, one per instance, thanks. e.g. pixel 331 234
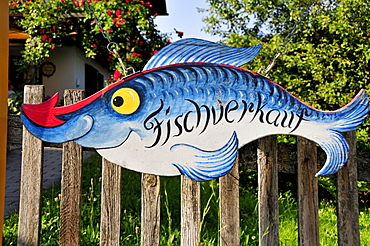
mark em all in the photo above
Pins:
pixel 188 113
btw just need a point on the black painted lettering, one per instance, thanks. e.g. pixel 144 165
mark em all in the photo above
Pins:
pixel 214 114
pixel 259 108
pixel 301 116
pixel 178 125
pixel 229 109
pixel 207 118
pixel 186 117
pixel 157 128
pixel 275 121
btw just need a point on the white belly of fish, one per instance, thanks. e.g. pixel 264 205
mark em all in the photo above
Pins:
pixel 134 154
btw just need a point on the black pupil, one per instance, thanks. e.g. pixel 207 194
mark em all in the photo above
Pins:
pixel 118 101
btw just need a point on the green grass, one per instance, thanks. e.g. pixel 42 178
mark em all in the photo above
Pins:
pixel 170 214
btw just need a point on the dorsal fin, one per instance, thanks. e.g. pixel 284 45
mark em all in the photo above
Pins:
pixel 198 50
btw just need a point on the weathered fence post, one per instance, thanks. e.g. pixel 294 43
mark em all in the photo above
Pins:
pixel 70 208
pixel 190 212
pixel 268 194
pixel 31 178
pixel 347 195
pixel 308 201
pixel 229 207
pixel 110 204
pixel 150 209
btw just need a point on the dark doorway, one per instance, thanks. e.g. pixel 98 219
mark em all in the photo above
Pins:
pixel 94 81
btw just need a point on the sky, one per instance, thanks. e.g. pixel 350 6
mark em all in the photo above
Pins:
pixel 183 16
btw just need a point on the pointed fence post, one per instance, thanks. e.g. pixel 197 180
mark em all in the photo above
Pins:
pixel 347 195
pixel 308 200
pixel 268 207
pixel 70 208
pixel 229 207
pixel 150 210
pixel 31 178
pixel 190 212
pixel 110 224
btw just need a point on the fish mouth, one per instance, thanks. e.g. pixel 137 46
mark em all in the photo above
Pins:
pixel 113 146
pixel 46 114
pixel 43 121
pixel 73 129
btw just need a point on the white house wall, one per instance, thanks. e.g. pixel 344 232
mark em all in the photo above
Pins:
pixel 70 70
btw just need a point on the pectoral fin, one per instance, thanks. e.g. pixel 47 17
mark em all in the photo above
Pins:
pixel 204 165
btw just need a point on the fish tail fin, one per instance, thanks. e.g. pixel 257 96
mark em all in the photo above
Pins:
pixel 353 114
pixel 345 119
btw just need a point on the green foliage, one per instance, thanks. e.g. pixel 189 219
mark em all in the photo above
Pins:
pixel 325 64
pixel 128 23
pixel 171 210
pixel 15 103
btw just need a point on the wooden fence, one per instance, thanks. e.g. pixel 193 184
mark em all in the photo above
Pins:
pixel 267 161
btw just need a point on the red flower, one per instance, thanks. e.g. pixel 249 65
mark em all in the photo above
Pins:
pixel 118 12
pixel 117 74
pixel 95 46
pixel 154 52
pixel 53 47
pixel 44 37
pixel 50 40
pixel 109 12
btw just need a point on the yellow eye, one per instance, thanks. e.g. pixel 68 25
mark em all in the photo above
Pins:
pixel 125 101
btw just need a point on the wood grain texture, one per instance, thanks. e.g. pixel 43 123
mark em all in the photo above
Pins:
pixel 347 196
pixel 190 212
pixel 110 204
pixel 229 207
pixel 308 200
pixel 287 159
pixel 4 67
pixel 150 210
pixel 268 194
pixel 31 178
pixel 70 208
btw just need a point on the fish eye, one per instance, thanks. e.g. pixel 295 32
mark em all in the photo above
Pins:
pixel 125 101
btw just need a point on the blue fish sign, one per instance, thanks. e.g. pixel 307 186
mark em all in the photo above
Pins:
pixel 190 111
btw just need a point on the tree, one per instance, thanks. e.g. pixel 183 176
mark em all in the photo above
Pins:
pixel 327 61
pixel 128 23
